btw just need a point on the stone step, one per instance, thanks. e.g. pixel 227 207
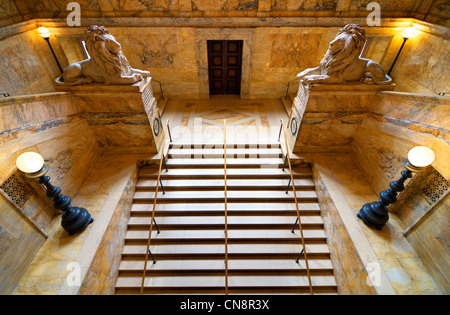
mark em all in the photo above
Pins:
pixel 200 237
pixel 232 173
pixel 218 184
pixel 219 196
pixel 218 209
pixel 219 163
pixel 215 284
pixel 208 153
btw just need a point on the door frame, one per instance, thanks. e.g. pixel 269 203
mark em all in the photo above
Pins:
pixel 205 34
pixel 225 66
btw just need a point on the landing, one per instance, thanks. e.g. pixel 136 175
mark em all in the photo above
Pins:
pixel 202 121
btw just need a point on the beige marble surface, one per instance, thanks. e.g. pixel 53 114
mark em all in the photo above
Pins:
pixel 62 259
pixel 401 269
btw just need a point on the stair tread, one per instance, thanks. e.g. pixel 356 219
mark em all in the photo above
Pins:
pixel 205 195
pixel 200 234
pixel 220 151
pixel 234 264
pixel 262 172
pixel 254 206
pixel 220 249
pixel 220 161
pixel 233 281
pixel 201 220
pixel 250 183
pixel 238 145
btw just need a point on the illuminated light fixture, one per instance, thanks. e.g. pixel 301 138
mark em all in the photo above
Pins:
pixel 45 34
pixel 421 156
pixel 375 214
pixel 30 162
pixel 73 219
pixel 407 34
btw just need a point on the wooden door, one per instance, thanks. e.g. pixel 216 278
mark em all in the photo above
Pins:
pixel 224 62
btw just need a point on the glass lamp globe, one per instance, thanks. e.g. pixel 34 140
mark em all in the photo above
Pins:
pixel 409 32
pixel 421 156
pixel 43 32
pixel 30 162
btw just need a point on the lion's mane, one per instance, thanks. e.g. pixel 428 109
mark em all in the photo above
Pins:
pixel 113 65
pixel 335 64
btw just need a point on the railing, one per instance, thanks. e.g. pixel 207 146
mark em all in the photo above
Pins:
pixel 160 88
pixel 291 181
pixel 148 252
pixel 226 202
pixel 288 87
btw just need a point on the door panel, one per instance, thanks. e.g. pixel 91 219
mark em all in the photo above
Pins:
pixel 225 61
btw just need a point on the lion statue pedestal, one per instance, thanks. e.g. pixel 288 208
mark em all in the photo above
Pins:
pixel 332 99
pixel 342 63
pixel 107 63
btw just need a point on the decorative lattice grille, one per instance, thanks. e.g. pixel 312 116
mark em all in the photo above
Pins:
pixel 17 190
pixel 435 187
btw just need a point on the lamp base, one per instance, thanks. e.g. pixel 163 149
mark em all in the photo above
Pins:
pixel 75 220
pixel 374 214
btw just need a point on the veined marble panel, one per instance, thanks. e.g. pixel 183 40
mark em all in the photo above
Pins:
pixel 294 50
pixel 424 65
pixel 304 5
pixel 219 5
pixel 142 5
pixel 155 50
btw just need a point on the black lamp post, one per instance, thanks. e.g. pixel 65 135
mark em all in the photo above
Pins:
pixel 407 34
pixel 375 214
pixel 45 34
pixel 73 219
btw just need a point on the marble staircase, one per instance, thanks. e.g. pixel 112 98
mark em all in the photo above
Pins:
pixel 189 250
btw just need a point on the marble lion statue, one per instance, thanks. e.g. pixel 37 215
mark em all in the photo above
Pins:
pixel 342 62
pixel 107 63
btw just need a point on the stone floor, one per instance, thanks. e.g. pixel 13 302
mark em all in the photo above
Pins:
pixel 247 121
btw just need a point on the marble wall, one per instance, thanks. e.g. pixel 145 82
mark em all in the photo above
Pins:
pixel 69 130
pixel 103 271
pixel 274 52
pixel 47 124
pixel 350 272
pixel 26 65
pixel 396 123
pixel 424 65
pixel 331 119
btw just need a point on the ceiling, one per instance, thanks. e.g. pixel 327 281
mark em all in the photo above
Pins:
pixel 434 11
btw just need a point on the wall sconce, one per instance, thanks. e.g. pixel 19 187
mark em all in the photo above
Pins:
pixel 407 34
pixel 73 219
pixel 45 34
pixel 376 214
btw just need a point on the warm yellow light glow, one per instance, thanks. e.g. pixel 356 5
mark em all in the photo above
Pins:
pixel 44 32
pixel 421 156
pixel 409 32
pixel 30 162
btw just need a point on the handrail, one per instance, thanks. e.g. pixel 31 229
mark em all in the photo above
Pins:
pixel 226 201
pixel 298 210
pixel 147 252
pixel 160 87
pixel 288 87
